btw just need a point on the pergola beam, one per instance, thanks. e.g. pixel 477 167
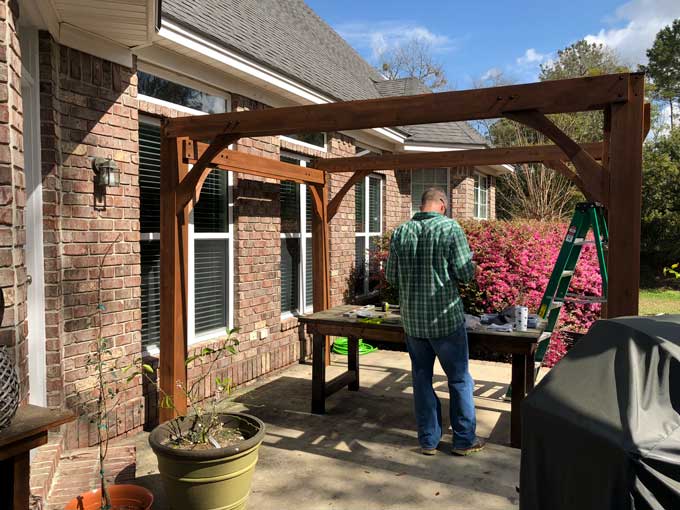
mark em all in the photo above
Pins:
pixel 472 157
pixel 559 96
pixel 254 165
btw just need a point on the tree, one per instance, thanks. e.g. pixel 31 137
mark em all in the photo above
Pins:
pixel 664 65
pixel 582 59
pixel 660 240
pixel 532 191
pixel 413 59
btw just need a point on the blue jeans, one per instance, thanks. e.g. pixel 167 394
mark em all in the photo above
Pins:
pixel 452 352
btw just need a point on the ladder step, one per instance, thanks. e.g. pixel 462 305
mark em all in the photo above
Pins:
pixel 583 300
pixel 555 305
pixel 567 273
pixel 579 241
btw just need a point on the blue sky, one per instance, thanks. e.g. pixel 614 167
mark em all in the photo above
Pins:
pixel 475 39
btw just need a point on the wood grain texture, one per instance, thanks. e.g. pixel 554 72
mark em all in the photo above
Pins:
pixel 625 201
pixel 241 162
pixel 471 157
pixel 174 283
pixel 578 94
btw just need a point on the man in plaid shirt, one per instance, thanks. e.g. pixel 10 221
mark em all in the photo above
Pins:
pixel 429 256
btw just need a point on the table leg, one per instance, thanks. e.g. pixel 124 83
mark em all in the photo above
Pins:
pixel 353 361
pixel 531 373
pixel 22 480
pixel 519 387
pixel 318 374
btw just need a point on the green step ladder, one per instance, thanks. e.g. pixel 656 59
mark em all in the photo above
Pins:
pixel 587 216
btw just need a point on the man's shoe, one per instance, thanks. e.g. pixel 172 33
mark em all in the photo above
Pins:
pixel 477 446
pixel 428 451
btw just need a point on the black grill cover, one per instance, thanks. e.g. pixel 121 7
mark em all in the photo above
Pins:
pixel 602 429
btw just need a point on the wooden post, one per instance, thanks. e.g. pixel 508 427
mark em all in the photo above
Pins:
pixel 174 251
pixel 320 253
pixel 625 200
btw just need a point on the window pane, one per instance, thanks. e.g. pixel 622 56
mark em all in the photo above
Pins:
pixel 289 196
pixel 210 214
pixel 374 220
pixel 424 179
pixel 210 284
pixel 308 211
pixel 359 206
pixel 318 139
pixel 150 177
pixel 309 277
pixel 160 88
pixel 359 265
pixel 373 265
pixel 290 276
pixel 151 291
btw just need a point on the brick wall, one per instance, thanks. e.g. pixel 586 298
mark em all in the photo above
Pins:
pixel 89 110
pixel 12 194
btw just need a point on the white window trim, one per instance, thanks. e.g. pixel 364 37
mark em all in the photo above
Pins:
pixel 192 337
pixel 448 189
pixel 303 235
pixel 366 234
pixel 475 196
pixel 306 144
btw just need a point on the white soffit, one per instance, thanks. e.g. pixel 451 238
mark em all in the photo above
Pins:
pixel 103 28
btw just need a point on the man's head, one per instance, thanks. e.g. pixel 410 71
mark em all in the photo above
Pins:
pixel 434 200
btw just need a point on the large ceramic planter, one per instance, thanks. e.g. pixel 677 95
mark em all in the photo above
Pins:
pixel 218 478
pixel 123 497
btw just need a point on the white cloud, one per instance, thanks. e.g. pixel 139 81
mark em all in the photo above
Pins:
pixel 491 75
pixel 376 38
pixel 532 57
pixel 640 20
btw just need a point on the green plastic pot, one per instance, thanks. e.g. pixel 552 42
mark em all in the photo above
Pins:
pixel 214 479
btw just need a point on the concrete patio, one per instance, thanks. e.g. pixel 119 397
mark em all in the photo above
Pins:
pixel 363 453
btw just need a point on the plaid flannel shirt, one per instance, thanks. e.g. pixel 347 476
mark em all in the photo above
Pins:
pixel 429 255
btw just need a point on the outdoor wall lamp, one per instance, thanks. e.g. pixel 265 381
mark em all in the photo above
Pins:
pixel 107 172
pixel 106 175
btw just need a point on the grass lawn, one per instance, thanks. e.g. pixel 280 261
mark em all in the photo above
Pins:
pixel 653 301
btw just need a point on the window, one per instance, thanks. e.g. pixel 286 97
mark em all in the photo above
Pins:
pixel 210 247
pixel 180 95
pixel 312 140
pixel 296 244
pixel 481 203
pixel 424 179
pixel 368 222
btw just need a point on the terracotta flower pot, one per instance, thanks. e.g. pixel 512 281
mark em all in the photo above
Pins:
pixel 123 497
pixel 212 479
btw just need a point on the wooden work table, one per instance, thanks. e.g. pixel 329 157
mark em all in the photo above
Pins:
pixel 28 430
pixel 332 322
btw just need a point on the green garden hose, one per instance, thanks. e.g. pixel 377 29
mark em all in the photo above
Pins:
pixel 340 347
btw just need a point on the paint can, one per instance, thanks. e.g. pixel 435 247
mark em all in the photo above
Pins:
pixel 521 318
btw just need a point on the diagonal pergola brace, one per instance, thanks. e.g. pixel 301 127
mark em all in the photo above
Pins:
pixel 589 170
pixel 334 204
pixel 189 190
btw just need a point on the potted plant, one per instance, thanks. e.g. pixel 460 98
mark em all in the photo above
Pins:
pixel 206 458
pixel 103 366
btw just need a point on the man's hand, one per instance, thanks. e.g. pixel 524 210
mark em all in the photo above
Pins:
pixel 478 270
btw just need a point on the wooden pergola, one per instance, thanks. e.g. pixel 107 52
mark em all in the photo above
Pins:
pixel 609 172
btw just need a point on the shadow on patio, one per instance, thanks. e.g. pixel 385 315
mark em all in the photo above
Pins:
pixel 363 453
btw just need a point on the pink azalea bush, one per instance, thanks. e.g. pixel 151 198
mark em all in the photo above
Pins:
pixel 516 259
